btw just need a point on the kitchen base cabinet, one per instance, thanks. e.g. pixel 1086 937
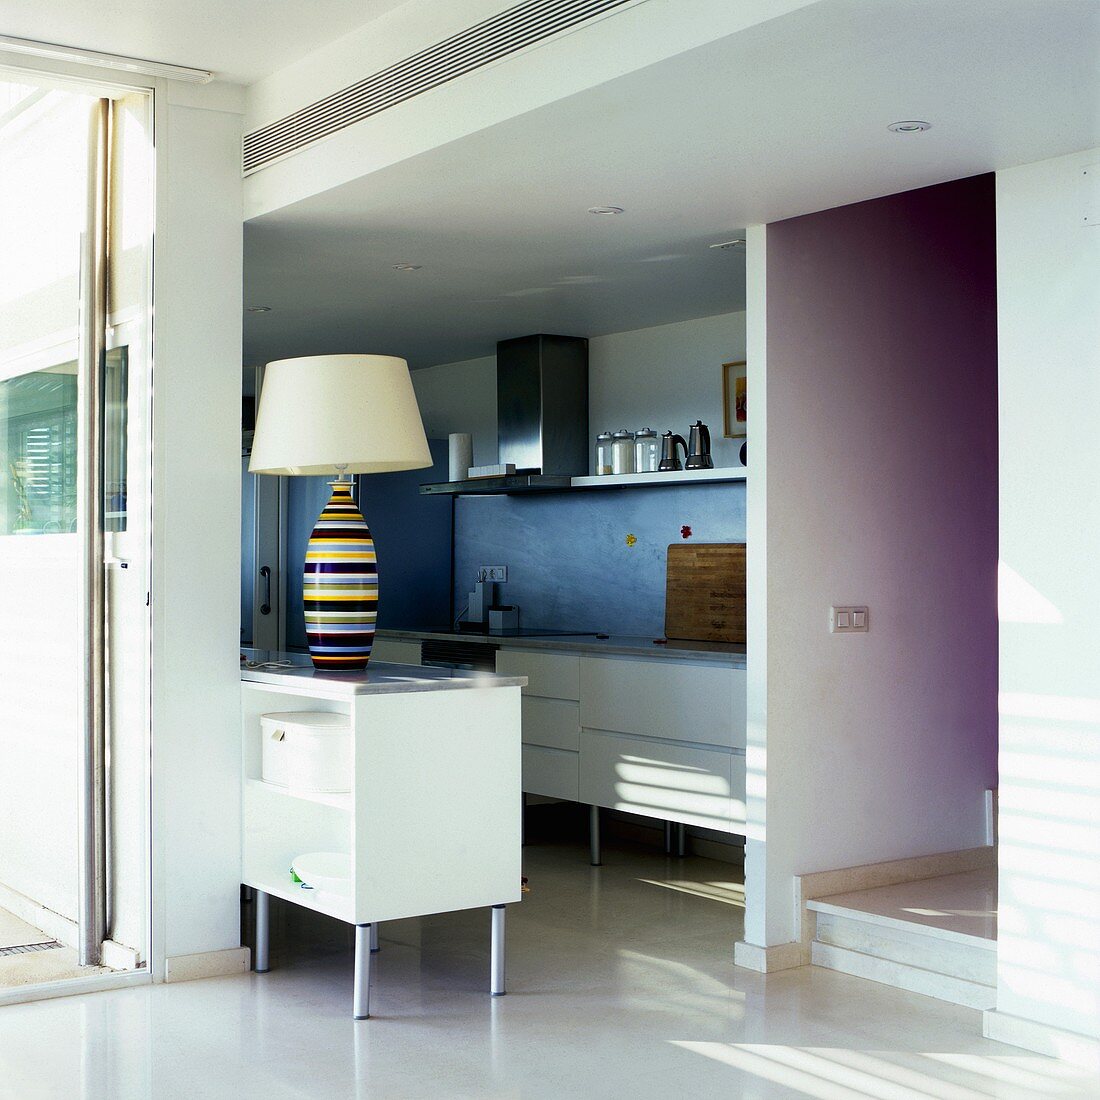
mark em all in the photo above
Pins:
pixel 553 773
pixel 674 782
pixel 552 723
pixel 394 652
pixel 703 704
pixel 647 735
pixel 549 675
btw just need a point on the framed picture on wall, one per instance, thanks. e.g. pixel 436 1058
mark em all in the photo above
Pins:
pixel 733 401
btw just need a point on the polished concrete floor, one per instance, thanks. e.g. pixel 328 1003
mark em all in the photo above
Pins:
pixel 621 984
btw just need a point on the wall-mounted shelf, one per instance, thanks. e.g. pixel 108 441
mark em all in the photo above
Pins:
pixel 527 484
pixel 668 477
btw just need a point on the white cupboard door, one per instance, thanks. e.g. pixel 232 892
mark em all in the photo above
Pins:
pixel 704 704
pixel 655 779
pixel 395 652
pixel 551 772
pixel 549 675
pixel 553 723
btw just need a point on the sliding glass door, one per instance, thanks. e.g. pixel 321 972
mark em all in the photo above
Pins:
pixel 75 249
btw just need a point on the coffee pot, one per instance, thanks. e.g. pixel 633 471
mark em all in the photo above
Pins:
pixel 698 449
pixel 669 459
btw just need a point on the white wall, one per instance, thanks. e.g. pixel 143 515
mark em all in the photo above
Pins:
pixel 666 377
pixel 196 538
pixel 1048 950
pixel 461 397
pixel 663 377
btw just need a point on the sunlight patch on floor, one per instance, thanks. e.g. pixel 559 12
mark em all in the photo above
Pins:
pixel 840 1074
pixel 729 893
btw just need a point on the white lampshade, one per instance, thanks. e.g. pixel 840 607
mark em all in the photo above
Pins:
pixel 325 411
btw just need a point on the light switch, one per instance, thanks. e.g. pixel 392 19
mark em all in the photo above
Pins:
pixel 849 620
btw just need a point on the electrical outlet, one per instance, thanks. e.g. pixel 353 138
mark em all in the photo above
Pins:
pixel 849 620
pixel 495 573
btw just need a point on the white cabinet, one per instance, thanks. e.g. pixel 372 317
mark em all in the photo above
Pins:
pixel 657 779
pixel 551 720
pixel 674 782
pixel 655 736
pixel 549 675
pixel 553 723
pixel 664 698
pixel 395 652
pixel 554 773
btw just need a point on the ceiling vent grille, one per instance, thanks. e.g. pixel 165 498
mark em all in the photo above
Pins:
pixel 500 35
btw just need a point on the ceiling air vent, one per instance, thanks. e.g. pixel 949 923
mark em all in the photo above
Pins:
pixel 500 35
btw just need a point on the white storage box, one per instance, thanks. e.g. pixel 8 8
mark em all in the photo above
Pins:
pixel 307 751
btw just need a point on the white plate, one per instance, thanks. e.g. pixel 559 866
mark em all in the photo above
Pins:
pixel 324 870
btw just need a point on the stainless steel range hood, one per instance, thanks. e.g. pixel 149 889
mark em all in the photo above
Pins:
pixel 542 416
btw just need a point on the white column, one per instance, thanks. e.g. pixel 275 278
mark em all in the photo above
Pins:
pixel 1048 303
pixel 196 552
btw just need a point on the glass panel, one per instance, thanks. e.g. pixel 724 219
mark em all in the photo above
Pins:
pixel 38 452
pixel 44 135
pixel 43 154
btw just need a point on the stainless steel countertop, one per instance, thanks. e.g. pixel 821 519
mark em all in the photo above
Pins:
pixel 379 678
pixel 617 645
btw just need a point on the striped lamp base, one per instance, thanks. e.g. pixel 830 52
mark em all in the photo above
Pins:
pixel 340 588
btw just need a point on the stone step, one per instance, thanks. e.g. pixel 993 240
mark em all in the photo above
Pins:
pixel 974 961
pixel 943 987
pixel 933 936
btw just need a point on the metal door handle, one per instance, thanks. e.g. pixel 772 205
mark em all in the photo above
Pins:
pixel 265 607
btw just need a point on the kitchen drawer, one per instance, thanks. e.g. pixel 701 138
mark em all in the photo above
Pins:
pixel 669 782
pixel 551 772
pixel 663 698
pixel 549 675
pixel 553 723
pixel 395 652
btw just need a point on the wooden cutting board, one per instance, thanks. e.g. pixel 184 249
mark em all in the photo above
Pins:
pixel 705 592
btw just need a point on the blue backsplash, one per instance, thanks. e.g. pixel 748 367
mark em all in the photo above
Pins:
pixel 569 565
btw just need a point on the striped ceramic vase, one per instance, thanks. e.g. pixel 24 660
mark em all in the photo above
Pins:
pixel 341 585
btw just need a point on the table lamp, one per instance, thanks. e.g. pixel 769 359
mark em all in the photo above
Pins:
pixel 339 414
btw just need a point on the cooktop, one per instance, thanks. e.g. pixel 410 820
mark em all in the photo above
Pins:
pixel 480 631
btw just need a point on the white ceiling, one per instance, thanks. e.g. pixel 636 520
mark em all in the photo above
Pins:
pixel 240 40
pixel 785 118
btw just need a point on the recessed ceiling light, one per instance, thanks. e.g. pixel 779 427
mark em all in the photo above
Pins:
pixel 407 267
pixel 259 309
pixel 737 242
pixel 605 210
pixel 910 126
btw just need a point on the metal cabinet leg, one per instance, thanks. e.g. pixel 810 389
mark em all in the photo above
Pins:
pixel 681 839
pixel 496 954
pixel 668 838
pixel 594 835
pixel 361 996
pixel 374 938
pixel 263 932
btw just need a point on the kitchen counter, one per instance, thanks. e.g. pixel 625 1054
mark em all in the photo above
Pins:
pixel 377 679
pixel 617 645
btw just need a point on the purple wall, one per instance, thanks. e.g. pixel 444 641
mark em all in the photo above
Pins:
pixel 882 490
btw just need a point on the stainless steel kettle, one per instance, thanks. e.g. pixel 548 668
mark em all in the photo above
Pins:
pixel 698 450
pixel 669 458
